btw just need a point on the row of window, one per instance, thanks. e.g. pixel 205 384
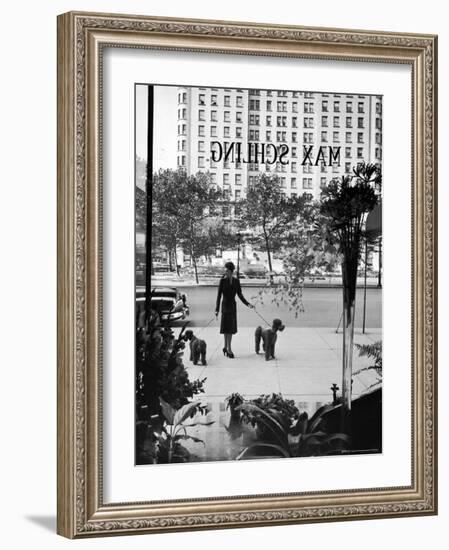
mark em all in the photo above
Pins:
pixel 282 93
pixel 283 121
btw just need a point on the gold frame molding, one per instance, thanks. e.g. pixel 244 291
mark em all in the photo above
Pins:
pixel 81 37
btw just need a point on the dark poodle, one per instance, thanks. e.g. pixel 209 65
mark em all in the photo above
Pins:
pixel 268 337
pixel 197 348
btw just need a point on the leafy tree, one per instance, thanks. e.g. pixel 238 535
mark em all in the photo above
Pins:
pixel 345 205
pixel 269 213
pixel 214 233
pixel 304 249
pixel 184 202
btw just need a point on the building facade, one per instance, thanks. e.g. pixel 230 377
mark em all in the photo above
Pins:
pixel 298 120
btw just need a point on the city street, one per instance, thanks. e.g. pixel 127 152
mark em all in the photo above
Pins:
pixel 322 307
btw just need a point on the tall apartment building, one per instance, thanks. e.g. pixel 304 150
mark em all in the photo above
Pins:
pixel 299 120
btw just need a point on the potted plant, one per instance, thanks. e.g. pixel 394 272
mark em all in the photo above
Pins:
pixel 234 401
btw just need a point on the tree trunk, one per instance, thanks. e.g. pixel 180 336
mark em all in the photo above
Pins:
pixel 192 254
pixel 267 246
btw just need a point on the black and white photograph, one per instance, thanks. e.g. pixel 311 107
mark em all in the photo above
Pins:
pixel 258 274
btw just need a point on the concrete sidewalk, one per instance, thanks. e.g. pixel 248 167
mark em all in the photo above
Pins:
pixel 308 361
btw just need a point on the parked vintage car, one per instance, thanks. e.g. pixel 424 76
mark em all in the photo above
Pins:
pixel 169 302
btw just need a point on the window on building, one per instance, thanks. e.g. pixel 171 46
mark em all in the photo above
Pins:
pixel 238 194
pixel 307 183
pixel 361 107
pixel 239 101
pixel 294 122
pixel 308 95
pixel 336 137
pixel 201 114
pixel 202 99
pixel 295 94
pixel 201 162
pixel 213 177
pixel 254 105
pixel 293 165
pixel 238 179
pixel 254 135
pixel 308 107
pixel 348 122
pixel 378 123
pixel 254 119
pixel 349 106
pixel 307 169
pixel 348 137
pixel 336 122
pixel 378 138
pixel 378 153
pixel 294 134
pixel 269 105
pixel 308 122
pixel 378 108
pixel 293 183
pixel 201 146
pixel 359 152
pixel 213 131
pixel 227 131
pixel 227 116
pixel 360 122
pixel 281 121
pixel 213 100
pixel 182 97
pixel 213 116
pixel 324 136
pixel 225 179
pixel 336 106
pixel 294 152
pixel 324 121
pixel 238 131
pixel 324 106
pixel 201 130
pixel 268 121
pixel 359 137
pixel 347 167
pixel 227 100
pixel 295 107
pixel 281 106
pixel 238 117
pixel 322 182
pixel 347 152
pixel 284 183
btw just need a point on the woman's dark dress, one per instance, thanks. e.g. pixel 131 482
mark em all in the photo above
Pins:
pixel 228 289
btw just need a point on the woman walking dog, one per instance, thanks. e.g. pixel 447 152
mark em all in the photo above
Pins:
pixel 228 288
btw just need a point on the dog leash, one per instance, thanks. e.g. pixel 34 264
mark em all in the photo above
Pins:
pixel 263 319
pixel 213 318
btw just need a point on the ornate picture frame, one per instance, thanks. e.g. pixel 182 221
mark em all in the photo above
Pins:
pixel 82 39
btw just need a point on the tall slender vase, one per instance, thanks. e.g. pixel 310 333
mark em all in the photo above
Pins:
pixel 349 292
